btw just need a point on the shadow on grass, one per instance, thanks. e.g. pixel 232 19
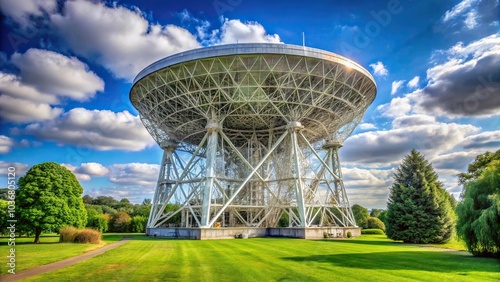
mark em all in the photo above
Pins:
pixel 460 262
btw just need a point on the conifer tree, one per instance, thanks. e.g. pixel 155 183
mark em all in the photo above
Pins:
pixel 419 208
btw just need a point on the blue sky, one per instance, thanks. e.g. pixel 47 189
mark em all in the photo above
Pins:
pixel 66 69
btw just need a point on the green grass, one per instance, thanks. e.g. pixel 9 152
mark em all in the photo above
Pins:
pixel 29 255
pixel 367 258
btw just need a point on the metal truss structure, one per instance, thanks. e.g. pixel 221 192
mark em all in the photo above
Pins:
pixel 251 134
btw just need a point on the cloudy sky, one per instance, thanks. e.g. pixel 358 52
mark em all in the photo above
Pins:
pixel 66 69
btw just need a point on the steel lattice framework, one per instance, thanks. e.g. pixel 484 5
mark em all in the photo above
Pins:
pixel 251 134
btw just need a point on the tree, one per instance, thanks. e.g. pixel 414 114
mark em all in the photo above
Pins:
pixel 120 222
pixel 477 166
pixel 50 197
pixel 88 200
pixel 138 224
pixel 105 201
pixel 374 222
pixel 361 215
pixel 376 212
pixel 95 219
pixel 419 208
pixel 479 213
pixel 383 216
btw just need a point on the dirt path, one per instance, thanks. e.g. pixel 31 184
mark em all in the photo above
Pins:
pixel 59 264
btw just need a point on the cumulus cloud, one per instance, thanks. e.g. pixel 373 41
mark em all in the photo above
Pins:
pixel 367 126
pixel 399 106
pixel 21 168
pixel 467 84
pixel 22 11
pixel 51 72
pixel 110 34
pixel 95 129
pixel 94 169
pixel 135 174
pixel 36 105
pixel 484 140
pixel 413 83
pixel 469 14
pixel 379 69
pixel 396 85
pixel 45 77
pixel 6 144
pixel 233 31
pixel 454 162
pixel 85 171
pixel 387 147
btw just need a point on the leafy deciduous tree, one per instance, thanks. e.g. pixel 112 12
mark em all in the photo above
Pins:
pixel 138 224
pixel 50 197
pixel 374 222
pixel 361 215
pixel 479 213
pixel 120 222
pixel 477 166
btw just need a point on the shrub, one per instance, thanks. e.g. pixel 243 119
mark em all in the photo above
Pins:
pixel 372 231
pixel 120 222
pixel 374 222
pixel 325 235
pixel 99 223
pixel 67 234
pixel 349 234
pixel 138 224
pixel 88 236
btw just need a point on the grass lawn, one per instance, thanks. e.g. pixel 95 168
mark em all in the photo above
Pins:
pixel 29 255
pixel 367 258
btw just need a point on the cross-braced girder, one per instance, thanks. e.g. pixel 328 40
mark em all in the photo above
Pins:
pixel 253 185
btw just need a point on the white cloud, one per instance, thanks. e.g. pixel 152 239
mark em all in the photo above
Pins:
pixel 21 11
pixel 53 73
pixel 455 162
pixel 413 83
pixel 21 168
pixel 135 174
pixel 367 126
pixel 399 106
pixel 484 140
pixel 470 20
pixel 79 176
pixel 379 69
pixel 396 85
pixel 458 9
pixel 471 14
pixel 85 171
pixel 6 144
pixel 10 108
pixel 95 129
pixel 387 147
pixel 45 77
pixel 94 169
pixel 233 31
pixel 110 34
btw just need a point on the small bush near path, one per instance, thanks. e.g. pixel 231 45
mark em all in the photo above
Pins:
pixel 70 234
pixel 67 234
pixel 372 231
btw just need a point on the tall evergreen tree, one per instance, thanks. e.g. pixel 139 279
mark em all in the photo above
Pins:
pixel 419 208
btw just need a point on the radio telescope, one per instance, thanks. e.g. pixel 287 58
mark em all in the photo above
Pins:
pixel 250 136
